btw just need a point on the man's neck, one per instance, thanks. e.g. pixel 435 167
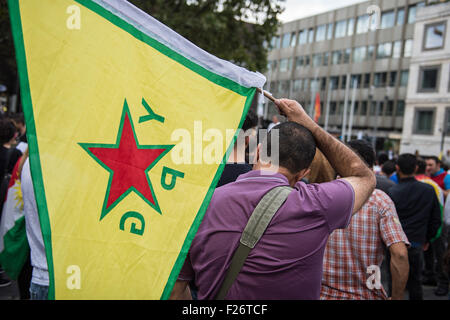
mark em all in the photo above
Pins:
pixel 404 176
pixel 236 157
pixel 272 170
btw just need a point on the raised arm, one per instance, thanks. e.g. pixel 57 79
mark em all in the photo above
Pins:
pixel 346 163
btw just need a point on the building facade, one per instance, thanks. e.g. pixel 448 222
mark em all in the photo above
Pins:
pixel 362 51
pixel 426 126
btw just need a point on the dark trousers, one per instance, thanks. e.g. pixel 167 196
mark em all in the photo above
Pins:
pixel 414 284
pixel 434 267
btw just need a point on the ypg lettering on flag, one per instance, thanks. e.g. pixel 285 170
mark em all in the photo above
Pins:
pixel 128 163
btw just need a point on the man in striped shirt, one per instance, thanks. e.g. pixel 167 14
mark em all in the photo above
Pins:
pixel 353 256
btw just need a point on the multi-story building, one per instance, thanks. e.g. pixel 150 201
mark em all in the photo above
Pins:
pixel 426 126
pixel 367 46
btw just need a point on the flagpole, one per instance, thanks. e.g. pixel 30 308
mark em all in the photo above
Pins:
pixel 344 120
pixel 352 108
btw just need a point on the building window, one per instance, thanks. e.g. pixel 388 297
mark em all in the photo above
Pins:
pixel 397 51
pixel 321 32
pixel 283 86
pixel 347 53
pixel 390 108
pixel 362 24
pixel 293 39
pixel 400 17
pixel 387 19
pixel 408 48
pixel 357 78
pixel 434 36
pixel 343 82
pixel 384 50
pixel 323 84
pixel 423 121
pixel 370 52
pixel 334 83
pixel 302 37
pixel 364 108
pixel 274 42
pixel 285 65
pixel 333 108
pixel 412 11
pixel 336 57
pixel 305 84
pixel 330 31
pixel 351 26
pixel 404 75
pixel 341 28
pixel 400 108
pixel 297 86
pixel 286 40
pixel 429 79
pixel 317 59
pixel 392 78
pixel 311 35
pixel 326 57
pixel 359 54
pixel 315 84
pixel 367 80
pixel 380 79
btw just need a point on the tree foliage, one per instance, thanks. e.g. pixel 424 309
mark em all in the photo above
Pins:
pixel 222 27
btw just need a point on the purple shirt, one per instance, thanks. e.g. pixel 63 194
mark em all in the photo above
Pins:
pixel 287 261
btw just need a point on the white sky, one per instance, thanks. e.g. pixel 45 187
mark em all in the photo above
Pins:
pixel 296 9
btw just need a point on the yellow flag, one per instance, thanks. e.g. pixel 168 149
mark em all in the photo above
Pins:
pixel 125 121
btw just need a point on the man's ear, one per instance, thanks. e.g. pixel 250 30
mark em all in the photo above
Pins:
pixel 302 173
pixel 247 141
pixel 257 152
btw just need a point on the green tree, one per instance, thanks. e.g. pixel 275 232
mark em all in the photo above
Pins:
pixel 222 27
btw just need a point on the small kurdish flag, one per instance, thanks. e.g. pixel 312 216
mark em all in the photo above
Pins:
pixel 14 248
pixel 111 97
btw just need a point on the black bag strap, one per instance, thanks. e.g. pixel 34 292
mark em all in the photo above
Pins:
pixel 255 228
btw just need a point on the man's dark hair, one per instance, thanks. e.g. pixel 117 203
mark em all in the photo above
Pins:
pixel 365 150
pixel 250 121
pixel 297 146
pixel 421 166
pixel 388 167
pixel 7 130
pixel 382 158
pixel 407 163
pixel 436 159
pixel 18 118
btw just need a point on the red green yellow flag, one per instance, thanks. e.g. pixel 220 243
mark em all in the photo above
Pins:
pixel 117 107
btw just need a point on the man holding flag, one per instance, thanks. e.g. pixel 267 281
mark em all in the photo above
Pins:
pixel 112 101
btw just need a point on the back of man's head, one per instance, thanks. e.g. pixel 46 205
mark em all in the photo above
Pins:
pixel 388 167
pixel 296 146
pixel 7 130
pixel 365 150
pixel 251 120
pixel 407 163
pixel 421 166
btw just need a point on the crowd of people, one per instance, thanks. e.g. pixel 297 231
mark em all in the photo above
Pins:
pixel 330 221
pixel 350 220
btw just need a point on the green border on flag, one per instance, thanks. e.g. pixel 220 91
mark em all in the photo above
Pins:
pixel 16 26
